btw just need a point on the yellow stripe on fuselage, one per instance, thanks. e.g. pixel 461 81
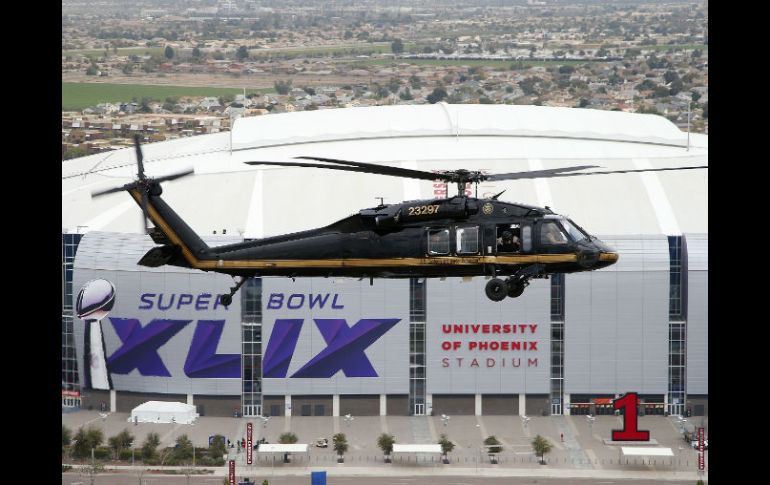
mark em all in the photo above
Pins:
pixel 210 264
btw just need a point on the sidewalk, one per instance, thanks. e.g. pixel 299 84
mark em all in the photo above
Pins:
pixel 411 471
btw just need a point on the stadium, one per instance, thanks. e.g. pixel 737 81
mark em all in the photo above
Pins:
pixel 640 325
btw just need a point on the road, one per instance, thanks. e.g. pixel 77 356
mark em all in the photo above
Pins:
pixel 131 479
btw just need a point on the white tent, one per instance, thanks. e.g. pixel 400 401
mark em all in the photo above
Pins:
pixel 164 412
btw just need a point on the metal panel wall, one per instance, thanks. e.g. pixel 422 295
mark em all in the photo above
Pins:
pixel 616 321
pixel 307 304
pixel 471 369
pixel 697 314
pixel 153 296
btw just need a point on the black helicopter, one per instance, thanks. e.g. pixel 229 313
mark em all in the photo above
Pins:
pixel 459 236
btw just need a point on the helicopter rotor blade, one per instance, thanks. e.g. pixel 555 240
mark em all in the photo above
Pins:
pixel 108 191
pixel 145 213
pixel 393 171
pixel 139 158
pixel 537 174
pixel 386 169
pixel 532 174
pixel 173 176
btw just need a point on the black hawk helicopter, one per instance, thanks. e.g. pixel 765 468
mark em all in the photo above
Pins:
pixel 459 236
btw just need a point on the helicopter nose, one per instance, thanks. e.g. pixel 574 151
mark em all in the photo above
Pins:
pixel 609 257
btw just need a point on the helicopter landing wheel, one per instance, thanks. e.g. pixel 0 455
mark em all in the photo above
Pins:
pixel 496 289
pixel 226 299
pixel 515 288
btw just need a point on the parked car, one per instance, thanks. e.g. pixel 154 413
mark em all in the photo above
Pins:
pixel 322 443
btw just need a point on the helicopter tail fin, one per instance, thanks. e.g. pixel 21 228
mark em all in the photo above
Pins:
pixel 181 245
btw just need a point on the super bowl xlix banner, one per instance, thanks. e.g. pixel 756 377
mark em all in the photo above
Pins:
pixel 335 336
pixel 156 331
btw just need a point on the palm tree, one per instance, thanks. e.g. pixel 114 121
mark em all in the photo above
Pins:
pixel 340 446
pixel 541 447
pixel 493 448
pixel 385 442
pixel 446 447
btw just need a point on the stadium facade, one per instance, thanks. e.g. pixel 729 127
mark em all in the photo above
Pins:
pixel 336 346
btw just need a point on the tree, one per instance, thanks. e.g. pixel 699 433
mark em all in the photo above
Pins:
pixel 397 46
pixel 437 95
pixel 385 442
pixel 183 451
pixel 242 53
pixel 282 87
pixel 541 446
pixel 196 52
pixel 217 447
pixel 150 445
pixel 415 82
pixel 706 111
pixel 85 440
pixel 446 447
pixel 121 441
pixel 66 435
pixel 670 76
pixel 406 95
pixel 340 445
pixel 92 470
pixel 491 442
pixel 287 438
pixel 169 52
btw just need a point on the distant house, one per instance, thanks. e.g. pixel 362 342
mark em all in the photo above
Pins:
pixel 210 104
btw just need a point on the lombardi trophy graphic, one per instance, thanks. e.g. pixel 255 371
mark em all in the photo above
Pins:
pixel 95 300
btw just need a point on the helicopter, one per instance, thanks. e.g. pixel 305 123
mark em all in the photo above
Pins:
pixel 460 236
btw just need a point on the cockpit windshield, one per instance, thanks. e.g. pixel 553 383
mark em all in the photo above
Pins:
pixel 574 233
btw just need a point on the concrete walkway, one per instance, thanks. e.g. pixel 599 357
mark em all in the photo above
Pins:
pixel 341 470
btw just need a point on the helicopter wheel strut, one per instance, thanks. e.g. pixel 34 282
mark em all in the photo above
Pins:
pixel 496 289
pixel 228 299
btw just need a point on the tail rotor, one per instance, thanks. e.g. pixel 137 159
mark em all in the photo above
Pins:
pixel 143 184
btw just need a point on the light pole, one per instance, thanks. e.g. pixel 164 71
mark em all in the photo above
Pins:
pixel 524 420
pixel 348 419
pixel 590 420
pixel 445 419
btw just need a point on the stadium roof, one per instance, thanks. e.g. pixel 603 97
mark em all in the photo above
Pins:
pixel 261 201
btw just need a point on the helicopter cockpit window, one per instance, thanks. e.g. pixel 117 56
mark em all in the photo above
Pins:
pixel 467 240
pixel 508 238
pixel 575 233
pixel 438 241
pixel 551 233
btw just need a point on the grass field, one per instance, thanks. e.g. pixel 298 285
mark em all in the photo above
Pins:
pixel 122 51
pixel 77 96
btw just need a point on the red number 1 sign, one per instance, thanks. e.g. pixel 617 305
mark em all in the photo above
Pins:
pixel 629 432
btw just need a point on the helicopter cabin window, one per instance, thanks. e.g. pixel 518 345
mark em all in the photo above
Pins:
pixel 438 241
pixel 551 234
pixel 467 240
pixel 508 238
pixel 526 238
